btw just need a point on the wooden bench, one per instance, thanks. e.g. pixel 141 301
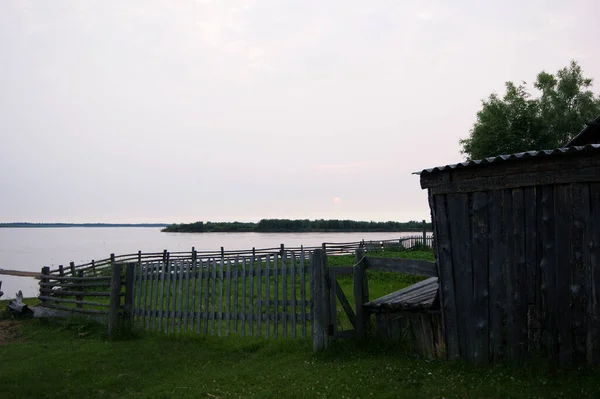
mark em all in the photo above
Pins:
pixel 412 311
pixel 420 296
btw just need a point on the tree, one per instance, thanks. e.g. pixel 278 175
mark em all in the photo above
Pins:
pixel 517 122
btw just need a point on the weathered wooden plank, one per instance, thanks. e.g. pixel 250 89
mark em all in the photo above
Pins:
pixel 138 294
pixel 276 273
pixel 496 282
pixel 244 311
pixel 54 299
pixel 593 276
pixel 175 278
pixel 161 296
pixel 403 298
pixel 51 277
pixel 168 288
pixel 148 272
pixel 259 298
pixel 154 284
pixel 115 299
pixel 458 207
pixel 193 289
pixel 550 177
pixel 251 304
pixel 228 297
pixel 76 310
pixel 207 296
pixel 532 251
pixel 548 272
pixel 284 271
pixel 186 294
pixel 303 303
pixel 76 284
pixel 580 200
pixel 343 270
pixel 480 239
pixel 518 334
pixel 343 301
pixel 530 242
pixel 236 268
pixel 430 282
pixel 213 295
pixel 536 165
pixel 446 275
pixel 563 221
pixel 359 294
pixel 78 293
pixel 264 318
pixel 199 282
pixel 320 302
pixel 332 302
pixel 401 265
pixel 179 305
pixel 145 294
pixel 221 283
pixel 267 270
pixel 294 279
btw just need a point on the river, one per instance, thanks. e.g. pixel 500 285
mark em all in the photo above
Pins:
pixel 29 249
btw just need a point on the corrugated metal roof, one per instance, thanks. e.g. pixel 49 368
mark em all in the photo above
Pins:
pixel 589 135
pixel 513 157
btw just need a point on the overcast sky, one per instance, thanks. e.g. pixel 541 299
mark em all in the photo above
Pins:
pixel 183 110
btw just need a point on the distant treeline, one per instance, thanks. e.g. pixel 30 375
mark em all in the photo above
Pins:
pixel 26 224
pixel 296 226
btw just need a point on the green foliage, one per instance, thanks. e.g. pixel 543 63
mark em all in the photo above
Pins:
pixel 518 122
pixel 301 225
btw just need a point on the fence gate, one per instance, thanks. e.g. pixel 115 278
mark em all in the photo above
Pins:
pixel 247 294
pixel 338 327
pixel 347 323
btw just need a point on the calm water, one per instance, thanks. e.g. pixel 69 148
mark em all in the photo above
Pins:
pixel 32 248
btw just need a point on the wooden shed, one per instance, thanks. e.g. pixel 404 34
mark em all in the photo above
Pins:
pixel 517 241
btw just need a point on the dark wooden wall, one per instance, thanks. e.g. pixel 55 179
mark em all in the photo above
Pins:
pixel 518 267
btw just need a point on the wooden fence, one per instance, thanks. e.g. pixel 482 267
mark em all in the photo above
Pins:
pixel 256 294
pixel 260 292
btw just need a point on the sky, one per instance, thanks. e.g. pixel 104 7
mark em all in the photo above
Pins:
pixel 185 110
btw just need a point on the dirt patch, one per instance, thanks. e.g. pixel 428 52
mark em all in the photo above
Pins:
pixel 10 331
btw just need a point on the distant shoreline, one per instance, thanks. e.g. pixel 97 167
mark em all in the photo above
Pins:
pixel 55 225
pixel 299 226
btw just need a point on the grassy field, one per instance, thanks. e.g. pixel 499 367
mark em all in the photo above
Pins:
pixel 75 359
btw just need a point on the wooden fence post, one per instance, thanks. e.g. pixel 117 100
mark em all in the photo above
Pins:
pixel 43 279
pixel 361 294
pixel 115 297
pixel 424 233
pixel 320 301
pixel 72 267
pixel 129 292
pixel 80 297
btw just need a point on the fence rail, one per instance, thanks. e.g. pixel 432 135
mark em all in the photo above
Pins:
pixel 330 248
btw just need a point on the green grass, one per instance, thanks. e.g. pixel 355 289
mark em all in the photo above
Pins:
pixel 74 360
